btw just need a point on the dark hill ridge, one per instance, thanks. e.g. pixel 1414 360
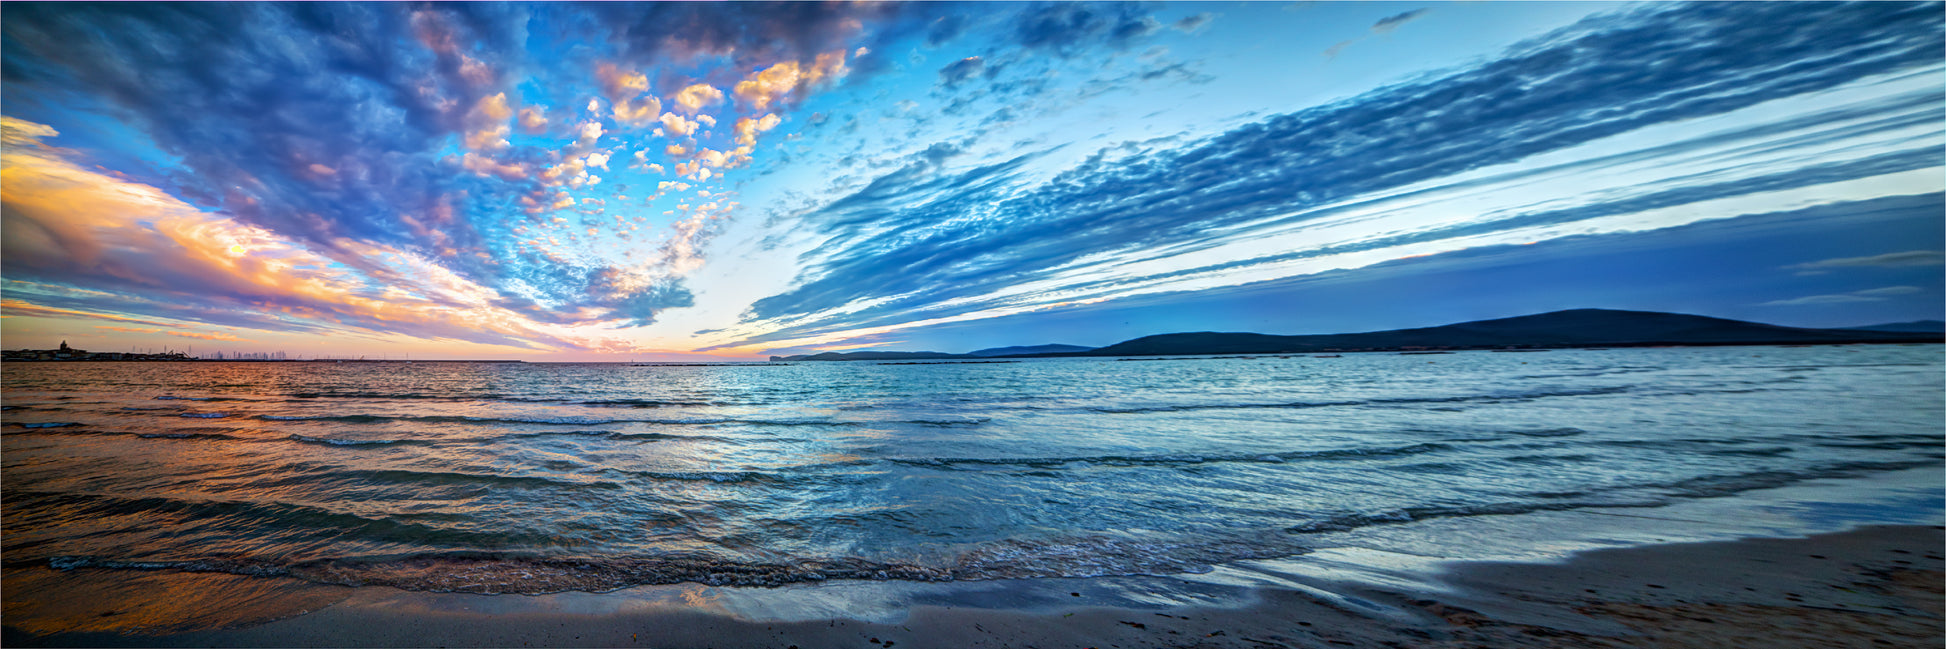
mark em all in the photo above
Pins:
pixel 1031 349
pixel 1915 326
pixel 1573 328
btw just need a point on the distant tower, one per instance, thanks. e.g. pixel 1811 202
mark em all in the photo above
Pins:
pixel 64 346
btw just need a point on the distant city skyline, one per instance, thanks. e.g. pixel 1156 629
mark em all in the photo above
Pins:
pixel 732 181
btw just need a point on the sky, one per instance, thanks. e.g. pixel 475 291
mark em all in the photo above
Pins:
pixel 615 181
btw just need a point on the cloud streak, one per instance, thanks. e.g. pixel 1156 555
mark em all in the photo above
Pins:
pixel 1867 295
pixel 1905 259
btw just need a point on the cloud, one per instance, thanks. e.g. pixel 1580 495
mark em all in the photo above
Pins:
pixel 1384 26
pixel 207 335
pixel 785 82
pixel 139 330
pixel 533 120
pixel 932 243
pixel 754 35
pixel 487 166
pixel 488 123
pixel 694 97
pixel 747 128
pixel 624 90
pixel 1193 24
pixel 944 29
pixel 342 128
pixel 1387 24
pixel 959 71
pixel 248 102
pixel 1868 295
pixel 14 307
pixel 1907 259
pixel 1068 29
pixel 145 253
pixel 676 126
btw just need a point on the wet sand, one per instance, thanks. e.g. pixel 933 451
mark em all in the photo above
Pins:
pixel 1870 587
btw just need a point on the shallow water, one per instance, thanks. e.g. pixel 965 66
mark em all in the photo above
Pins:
pixel 530 478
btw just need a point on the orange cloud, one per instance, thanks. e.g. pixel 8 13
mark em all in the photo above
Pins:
pixel 776 83
pixel 747 128
pixel 676 126
pixel 533 120
pixel 694 97
pixel 624 89
pixel 139 330
pixel 486 166
pixel 206 336
pixel 487 122
pixel 24 308
pixel 66 221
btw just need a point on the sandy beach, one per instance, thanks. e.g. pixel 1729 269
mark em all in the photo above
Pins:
pixel 1877 586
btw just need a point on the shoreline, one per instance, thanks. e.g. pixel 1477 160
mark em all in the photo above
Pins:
pixel 1871 586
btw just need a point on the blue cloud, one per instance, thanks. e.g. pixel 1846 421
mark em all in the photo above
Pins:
pixel 960 71
pixel 1389 23
pixel 1069 28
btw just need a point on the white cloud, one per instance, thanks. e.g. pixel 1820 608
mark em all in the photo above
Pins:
pixel 1867 295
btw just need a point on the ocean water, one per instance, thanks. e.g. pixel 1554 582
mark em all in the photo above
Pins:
pixel 541 478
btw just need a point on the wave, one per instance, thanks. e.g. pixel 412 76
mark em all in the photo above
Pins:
pixel 1551 432
pixel 277 515
pixel 44 424
pixel 388 395
pixel 220 436
pixel 548 571
pixel 415 396
pixel 710 476
pixel 1178 459
pixel 75 431
pixel 205 415
pixel 446 419
pixel 405 476
pixel 594 421
pixel 630 403
pixel 1631 496
pixel 329 441
pixel 1480 398
pixel 484 572
pixel 605 434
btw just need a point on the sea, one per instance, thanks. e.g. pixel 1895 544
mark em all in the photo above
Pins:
pixel 538 478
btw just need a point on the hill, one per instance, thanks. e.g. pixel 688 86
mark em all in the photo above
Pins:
pixel 1915 326
pixel 1573 328
pixel 1029 349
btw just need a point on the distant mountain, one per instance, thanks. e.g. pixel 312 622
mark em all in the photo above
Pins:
pixel 1029 349
pixel 1915 326
pixel 1575 328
